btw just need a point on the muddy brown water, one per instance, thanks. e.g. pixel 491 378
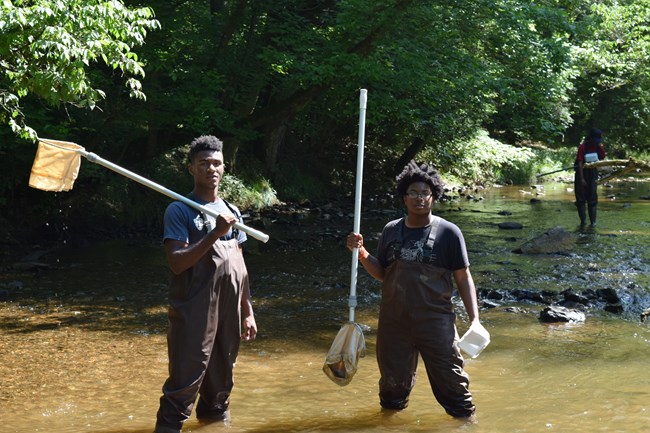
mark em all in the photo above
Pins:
pixel 82 343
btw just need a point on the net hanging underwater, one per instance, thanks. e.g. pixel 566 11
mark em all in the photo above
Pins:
pixel 349 344
pixel 57 164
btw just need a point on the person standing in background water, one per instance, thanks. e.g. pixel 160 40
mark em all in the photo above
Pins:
pixel 586 179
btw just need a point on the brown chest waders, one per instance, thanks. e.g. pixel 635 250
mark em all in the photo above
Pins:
pixel 416 318
pixel 204 334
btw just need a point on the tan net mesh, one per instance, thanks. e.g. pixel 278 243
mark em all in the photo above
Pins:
pixel 343 356
pixel 56 165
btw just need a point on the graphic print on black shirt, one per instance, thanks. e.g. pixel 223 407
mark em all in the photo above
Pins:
pixel 447 246
pixel 416 244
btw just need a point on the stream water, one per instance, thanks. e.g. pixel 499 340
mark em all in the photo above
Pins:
pixel 82 342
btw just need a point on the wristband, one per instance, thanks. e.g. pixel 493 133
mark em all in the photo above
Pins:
pixel 363 253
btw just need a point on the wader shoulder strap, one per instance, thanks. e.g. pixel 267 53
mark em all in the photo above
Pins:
pixel 206 221
pixel 397 245
pixel 432 232
pixel 426 255
pixel 235 232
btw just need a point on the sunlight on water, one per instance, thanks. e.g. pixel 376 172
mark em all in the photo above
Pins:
pixel 82 346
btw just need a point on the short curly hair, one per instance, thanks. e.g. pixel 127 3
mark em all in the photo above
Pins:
pixel 204 142
pixel 419 172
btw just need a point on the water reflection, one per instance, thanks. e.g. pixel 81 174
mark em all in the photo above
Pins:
pixel 82 345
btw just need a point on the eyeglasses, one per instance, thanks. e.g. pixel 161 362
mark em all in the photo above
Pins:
pixel 414 194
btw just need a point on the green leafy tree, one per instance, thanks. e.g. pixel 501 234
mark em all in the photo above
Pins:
pixel 278 78
pixel 613 88
pixel 48 47
pixel 528 47
pixel 278 81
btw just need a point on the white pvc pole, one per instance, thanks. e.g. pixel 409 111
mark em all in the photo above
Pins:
pixel 169 193
pixel 363 99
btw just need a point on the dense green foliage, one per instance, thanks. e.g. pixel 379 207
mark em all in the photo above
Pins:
pixel 481 159
pixel 614 86
pixel 467 84
pixel 47 47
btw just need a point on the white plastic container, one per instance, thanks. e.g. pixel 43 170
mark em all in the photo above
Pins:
pixel 591 157
pixel 475 340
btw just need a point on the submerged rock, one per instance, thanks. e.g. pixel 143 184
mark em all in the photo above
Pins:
pixel 570 299
pixel 29 266
pixel 614 308
pixel 609 295
pixel 555 241
pixel 644 314
pixel 510 225
pixel 578 298
pixel 556 313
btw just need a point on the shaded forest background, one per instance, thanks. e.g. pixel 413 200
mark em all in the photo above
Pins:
pixel 488 90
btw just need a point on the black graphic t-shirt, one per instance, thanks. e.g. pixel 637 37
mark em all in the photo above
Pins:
pixel 414 244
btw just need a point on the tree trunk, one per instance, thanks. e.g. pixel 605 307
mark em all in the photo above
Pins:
pixel 230 148
pixel 410 153
pixel 274 138
pixel 216 6
pixel 236 15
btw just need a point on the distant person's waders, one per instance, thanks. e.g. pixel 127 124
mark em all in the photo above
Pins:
pixel 416 316
pixel 204 335
pixel 587 194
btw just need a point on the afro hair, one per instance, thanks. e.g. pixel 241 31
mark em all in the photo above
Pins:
pixel 419 172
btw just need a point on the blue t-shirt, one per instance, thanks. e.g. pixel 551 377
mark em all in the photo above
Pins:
pixel 410 244
pixel 186 224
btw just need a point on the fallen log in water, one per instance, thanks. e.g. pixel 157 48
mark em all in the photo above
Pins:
pixel 627 166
